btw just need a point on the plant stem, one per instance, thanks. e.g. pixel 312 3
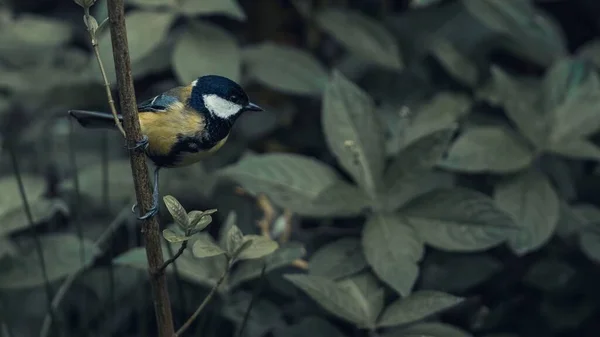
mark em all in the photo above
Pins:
pixel 150 227
pixel 171 260
pixel 255 294
pixel 207 299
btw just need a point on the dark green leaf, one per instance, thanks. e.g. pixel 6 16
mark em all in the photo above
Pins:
pixel 457 64
pixel 457 272
pixel 428 330
pixel 576 149
pixel 309 326
pixel 338 259
pixel 589 240
pixel 549 274
pixel 369 294
pixel 416 307
pixel 531 200
pixel 229 8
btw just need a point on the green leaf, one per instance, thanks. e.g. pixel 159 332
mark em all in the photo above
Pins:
pixel 457 64
pixel 234 239
pixel 204 48
pixel 590 51
pixel 549 274
pixel 488 149
pixel 369 295
pixel 353 132
pixel 205 246
pixel 6 247
pixel 309 326
pixel 338 259
pixel 62 257
pixel 392 248
pixel 285 68
pixel 200 219
pixel 174 235
pixel 532 34
pixel 431 329
pixel 261 246
pixel 531 200
pixel 417 306
pixel 459 220
pixel 250 269
pixel 302 184
pixel 34 31
pixel 520 96
pixel 576 149
pixel 362 36
pixel 177 212
pixel 410 187
pixel 229 8
pixel 439 113
pixel 589 241
pixel 457 272
pixel 339 300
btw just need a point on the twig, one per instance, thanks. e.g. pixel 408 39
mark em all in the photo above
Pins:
pixel 255 294
pixel 150 227
pixel 172 259
pixel 66 285
pixel 36 240
pixel 94 41
pixel 207 299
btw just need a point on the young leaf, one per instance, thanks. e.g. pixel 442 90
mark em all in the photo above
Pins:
pixel 285 68
pixel 174 235
pixel 204 48
pixel 200 219
pixel 337 300
pixel 353 131
pixel 250 269
pixel 229 8
pixel 416 307
pixel 205 246
pixel 429 329
pixel 393 249
pixel 338 259
pixel 459 220
pixel 531 200
pixel 301 184
pixel 234 240
pixel 457 64
pixel 177 212
pixel 362 36
pixel 534 35
pixel 488 149
pixel 62 257
pixel 261 246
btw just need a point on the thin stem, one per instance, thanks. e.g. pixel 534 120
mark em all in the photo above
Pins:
pixel 255 294
pixel 172 259
pixel 178 280
pixel 111 101
pixel 207 299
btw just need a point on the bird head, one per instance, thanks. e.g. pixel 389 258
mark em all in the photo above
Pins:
pixel 221 97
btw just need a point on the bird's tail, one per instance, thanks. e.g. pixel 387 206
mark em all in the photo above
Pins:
pixel 95 119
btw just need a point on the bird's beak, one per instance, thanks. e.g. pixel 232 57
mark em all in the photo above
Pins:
pixel 252 107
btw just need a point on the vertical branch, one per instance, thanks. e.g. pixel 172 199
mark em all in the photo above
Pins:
pixel 150 229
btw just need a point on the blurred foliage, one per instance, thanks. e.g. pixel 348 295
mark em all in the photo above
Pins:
pixel 422 168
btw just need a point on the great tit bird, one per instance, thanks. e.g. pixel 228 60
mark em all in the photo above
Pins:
pixel 182 125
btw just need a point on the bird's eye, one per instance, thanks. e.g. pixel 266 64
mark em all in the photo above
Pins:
pixel 234 98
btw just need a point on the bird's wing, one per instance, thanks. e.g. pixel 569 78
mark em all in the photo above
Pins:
pixel 158 103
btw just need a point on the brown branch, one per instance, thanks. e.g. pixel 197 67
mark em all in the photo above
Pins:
pixel 150 229
pixel 171 260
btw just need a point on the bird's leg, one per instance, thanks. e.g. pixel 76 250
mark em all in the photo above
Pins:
pixel 154 208
pixel 143 144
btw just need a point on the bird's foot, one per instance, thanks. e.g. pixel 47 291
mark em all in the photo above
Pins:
pixel 142 144
pixel 151 212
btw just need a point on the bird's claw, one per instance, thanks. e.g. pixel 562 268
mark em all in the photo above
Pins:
pixel 151 212
pixel 143 143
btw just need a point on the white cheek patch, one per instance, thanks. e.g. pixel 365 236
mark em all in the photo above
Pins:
pixel 194 82
pixel 221 107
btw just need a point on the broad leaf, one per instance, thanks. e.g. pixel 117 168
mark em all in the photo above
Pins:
pixel 301 184
pixel 177 211
pixel 250 269
pixel 590 51
pixel 338 300
pixel 62 257
pixel 362 36
pixel 229 8
pixel 488 149
pixel 34 31
pixel 550 274
pixel 457 272
pixel 430 329
pixel 200 219
pixel 205 246
pixel 174 235
pixel 577 149
pixel 285 68
pixel 531 200
pixel 457 64
pixel 393 249
pixel 203 49
pixel 416 307
pixel 458 219
pixel 369 295
pixel 309 326
pixel 261 246
pixel 234 239
pixel 410 187
pixel 338 259
pixel 589 241
pixel 353 131
pixel 532 33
